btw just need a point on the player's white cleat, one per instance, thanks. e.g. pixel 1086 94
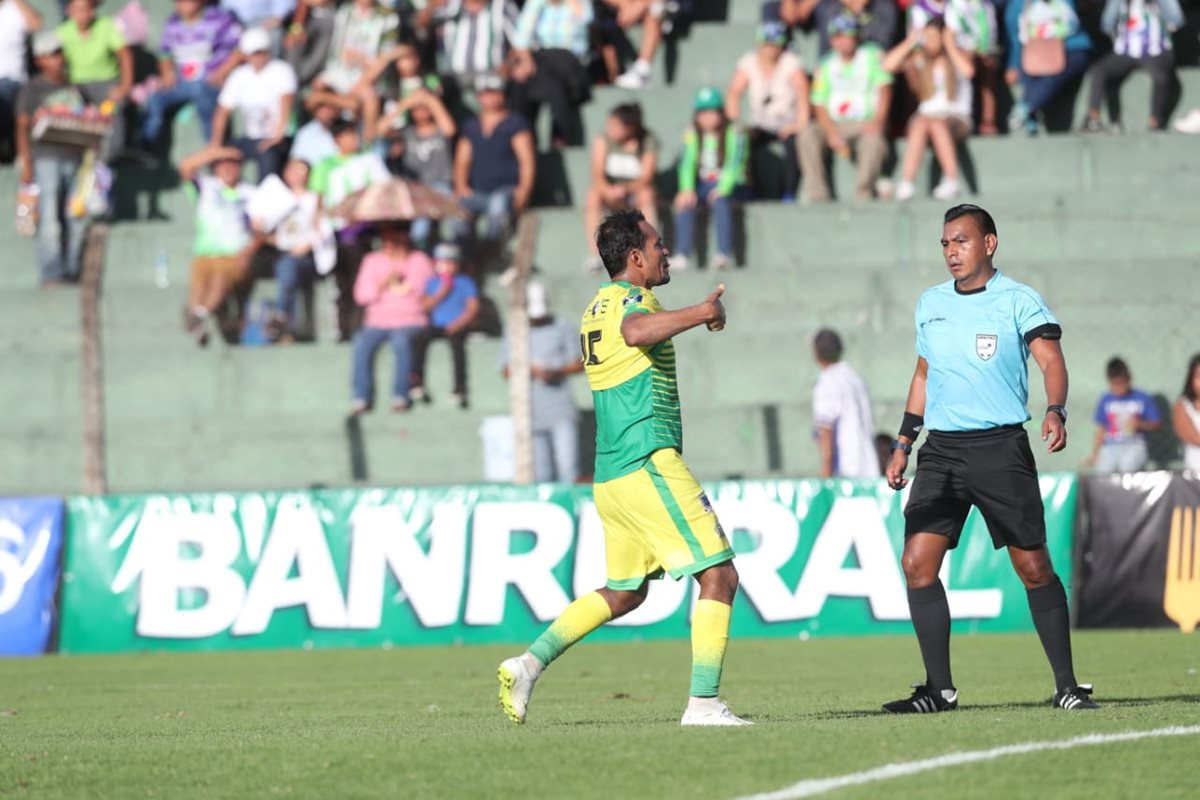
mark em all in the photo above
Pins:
pixel 516 685
pixel 710 712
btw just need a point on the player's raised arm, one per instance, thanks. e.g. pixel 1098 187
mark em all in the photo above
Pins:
pixel 910 428
pixel 1049 357
pixel 647 330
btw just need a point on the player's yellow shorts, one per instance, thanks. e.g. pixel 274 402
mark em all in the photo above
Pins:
pixel 658 519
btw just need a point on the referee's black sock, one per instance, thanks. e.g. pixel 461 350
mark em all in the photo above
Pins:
pixel 931 620
pixel 1048 605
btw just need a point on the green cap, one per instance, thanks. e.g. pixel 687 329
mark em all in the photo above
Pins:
pixel 708 99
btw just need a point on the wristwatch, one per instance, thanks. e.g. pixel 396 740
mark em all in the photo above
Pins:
pixel 899 445
pixel 1060 410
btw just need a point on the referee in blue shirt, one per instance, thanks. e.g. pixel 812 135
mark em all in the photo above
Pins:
pixel 970 390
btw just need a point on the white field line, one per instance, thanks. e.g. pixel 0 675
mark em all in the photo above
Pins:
pixel 816 786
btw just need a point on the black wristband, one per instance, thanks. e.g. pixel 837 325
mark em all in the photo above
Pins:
pixel 899 445
pixel 911 425
pixel 1060 410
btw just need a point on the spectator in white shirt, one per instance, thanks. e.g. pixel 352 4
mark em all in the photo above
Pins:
pixel 17 22
pixel 262 92
pixel 845 429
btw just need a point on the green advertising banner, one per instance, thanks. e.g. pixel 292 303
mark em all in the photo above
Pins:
pixel 480 564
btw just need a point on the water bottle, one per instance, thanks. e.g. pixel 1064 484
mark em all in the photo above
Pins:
pixel 162 265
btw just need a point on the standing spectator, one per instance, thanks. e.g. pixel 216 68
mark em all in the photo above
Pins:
pixel 494 163
pixel 362 31
pixel 295 238
pixel 224 242
pixel 452 302
pixel 314 141
pixel 308 39
pixel 851 95
pixel 624 163
pixel 427 144
pixel 1124 416
pixel 553 359
pixel 648 14
pixel 878 20
pixel 1047 49
pixel 845 428
pixel 940 76
pixel 550 45
pixel 53 167
pixel 98 62
pixel 712 171
pixel 197 53
pixel 1141 34
pixel 390 288
pixel 1185 417
pixel 17 21
pixel 777 89
pixel 262 92
pixel 473 36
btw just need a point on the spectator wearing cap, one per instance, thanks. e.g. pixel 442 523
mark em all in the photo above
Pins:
pixel 776 88
pixel 295 237
pixel 17 21
pixel 474 36
pixel 624 165
pixel 452 302
pixel 261 92
pixel 197 52
pixel 712 171
pixel 851 95
pixel 51 167
pixel 553 359
pixel 844 425
pixel 878 20
pixel 224 243
pixel 391 289
pixel 547 64
pixel 494 164
pixel 1047 49
pixel 99 62
pixel 629 14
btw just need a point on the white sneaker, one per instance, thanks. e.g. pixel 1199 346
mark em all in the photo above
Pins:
pixel 721 261
pixel 516 685
pixel 1190 123
pixel 947 189
pixel 636 77
pixel 905 191
pixel 679 263
pixel 710 712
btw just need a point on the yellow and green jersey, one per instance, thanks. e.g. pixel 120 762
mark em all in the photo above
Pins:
pixel 634 389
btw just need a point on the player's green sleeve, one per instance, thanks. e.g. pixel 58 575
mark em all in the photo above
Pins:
pixel 733 171
pixel 689 162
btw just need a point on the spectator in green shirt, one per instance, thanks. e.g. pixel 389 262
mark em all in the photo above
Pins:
pixel 712 170
pixel 98 62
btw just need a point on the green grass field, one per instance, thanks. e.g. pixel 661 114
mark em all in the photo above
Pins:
pixel 603 723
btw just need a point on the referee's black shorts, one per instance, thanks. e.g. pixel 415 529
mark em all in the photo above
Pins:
pixel 992 470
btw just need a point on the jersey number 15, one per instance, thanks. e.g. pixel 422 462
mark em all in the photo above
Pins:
pixel 587 344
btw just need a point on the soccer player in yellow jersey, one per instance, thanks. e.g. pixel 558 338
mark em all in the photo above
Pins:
pixel 656 517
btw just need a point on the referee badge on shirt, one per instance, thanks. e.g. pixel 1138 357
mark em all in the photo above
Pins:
pixel 985 345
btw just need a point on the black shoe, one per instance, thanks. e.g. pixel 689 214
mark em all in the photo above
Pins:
pixel 923 701
pixel 1074 698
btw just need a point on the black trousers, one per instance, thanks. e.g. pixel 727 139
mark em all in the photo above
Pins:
pixel 345 273
pixel 561 82
pixel 762 170
pixel 458 352
pixel 1114 69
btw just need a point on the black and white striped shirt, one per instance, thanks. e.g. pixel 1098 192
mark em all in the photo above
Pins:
pixel 475 43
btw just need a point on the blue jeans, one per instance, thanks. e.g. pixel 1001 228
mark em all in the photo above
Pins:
pixel 495 206
pixel 1040 92
pixel 424 226
pixel 556 452
pixel 200 94
pixel 366 344
pixel 291 271
pixel 59 259
pixel 722 216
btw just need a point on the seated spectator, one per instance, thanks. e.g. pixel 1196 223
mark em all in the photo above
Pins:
pixel 362 31
pixel 390 288
pixel 1185 417
pixel 777 90
pixel 1124 416
pixel 426 149
pixel 550 45
pixel 452 302
pixel 878 20
pixel 261 92
pixel 52 168
pixel 629 14
pixel 314 141
pixel 17 21
pixel 402 65
pixel 973 23
pixel 553 359
pixel 224 243
pixel 712 171
pixel 1047 49
pixel 473 36
pixel 1141 34
pixel 939 74
pixel 494 164
pixel 624 164
pixel 851 95
pixel 98 62
pixel 198 51
pixel 295 238
pixel 306 44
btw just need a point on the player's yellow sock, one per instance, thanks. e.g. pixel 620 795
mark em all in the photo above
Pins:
pixel 580 618
pixel 710 635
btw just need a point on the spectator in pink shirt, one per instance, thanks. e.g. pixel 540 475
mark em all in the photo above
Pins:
pixel 389 287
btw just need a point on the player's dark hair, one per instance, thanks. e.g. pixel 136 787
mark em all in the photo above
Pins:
pixel 1188 384
pixel 828 346
pixel 1117 369
pixel 619 233
pixel 982 218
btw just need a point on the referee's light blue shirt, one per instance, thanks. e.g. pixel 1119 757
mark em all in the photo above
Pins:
pixel 977 346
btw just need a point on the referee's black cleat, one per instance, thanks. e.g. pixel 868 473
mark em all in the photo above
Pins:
pixel 924 701
pixel 1074 698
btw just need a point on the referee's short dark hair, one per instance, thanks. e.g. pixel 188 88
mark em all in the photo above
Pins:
pixel 1117 369
pixel 982 218
pixel 620 232
pixel 828 346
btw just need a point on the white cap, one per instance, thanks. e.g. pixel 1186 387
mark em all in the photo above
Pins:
pixel 46 42
pixel 254 40
pixel 537 304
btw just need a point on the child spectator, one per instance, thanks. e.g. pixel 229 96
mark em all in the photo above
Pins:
pixel 425 148
pixel 712 171
pixel 1124 416
pixel 452 302
pixel 550 44
pixel 98 62
pixel 649 14
pixel 362 31
pixel 624 163
pixel 197 53
pixel 1047 49
pixel 1185 417
pixel 940 76
pixel 1141 34
pixel 262 92
pixel 17 21
pixel 390 287
pixel 295 238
